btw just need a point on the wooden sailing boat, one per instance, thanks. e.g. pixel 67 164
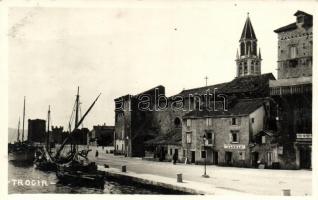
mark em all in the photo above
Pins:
pixel 43 156
pixel 75 168
pixel 22 152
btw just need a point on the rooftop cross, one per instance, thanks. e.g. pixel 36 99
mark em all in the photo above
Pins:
pixel 206 80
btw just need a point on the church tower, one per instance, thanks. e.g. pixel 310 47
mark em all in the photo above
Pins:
pixel 248 61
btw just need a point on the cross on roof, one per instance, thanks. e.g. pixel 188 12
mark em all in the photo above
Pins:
pixel 206 80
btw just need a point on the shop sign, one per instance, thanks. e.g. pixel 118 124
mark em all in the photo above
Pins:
pixel 304 136
pixel 234 146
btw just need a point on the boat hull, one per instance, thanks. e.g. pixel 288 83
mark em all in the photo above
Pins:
pixel 23 156
pixel 81 179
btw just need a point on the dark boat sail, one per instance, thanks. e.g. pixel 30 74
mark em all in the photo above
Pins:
pixel 21 152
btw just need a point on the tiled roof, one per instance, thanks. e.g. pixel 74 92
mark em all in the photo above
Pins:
pixel 289 27
pixel 251 83
pixel 201 90
pixel 293 26
pixel 242 107
pixel 248 31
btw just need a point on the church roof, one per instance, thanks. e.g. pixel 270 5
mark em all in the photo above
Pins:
pixel 201 90
pixel 243 107
pixel 248 84
pixel 248 31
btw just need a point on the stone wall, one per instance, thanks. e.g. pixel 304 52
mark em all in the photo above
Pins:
pixel 301 65
pixel 222 128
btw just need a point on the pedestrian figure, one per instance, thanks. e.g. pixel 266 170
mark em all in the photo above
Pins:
pixel 96 154
pixel 174 157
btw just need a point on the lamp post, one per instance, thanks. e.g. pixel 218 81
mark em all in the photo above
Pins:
pixel 204 141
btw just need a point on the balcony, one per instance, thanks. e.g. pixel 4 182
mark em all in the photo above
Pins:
pixel 290 86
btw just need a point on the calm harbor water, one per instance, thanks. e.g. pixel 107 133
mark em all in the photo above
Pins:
pixel 27 179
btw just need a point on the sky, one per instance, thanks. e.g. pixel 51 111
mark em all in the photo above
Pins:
pixel 126 49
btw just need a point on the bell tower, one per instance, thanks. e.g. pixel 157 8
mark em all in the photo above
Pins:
pixel 248 60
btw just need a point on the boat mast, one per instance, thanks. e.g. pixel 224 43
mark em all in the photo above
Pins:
pixel 79 123
pixel 77 107
pixel 48 128
pixel 23 120
pixel 76 115
pixel 18 139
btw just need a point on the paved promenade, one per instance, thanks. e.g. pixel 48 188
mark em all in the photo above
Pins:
pixel 223 180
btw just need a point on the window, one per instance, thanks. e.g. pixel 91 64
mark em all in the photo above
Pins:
pixel 188 122
pixel 188 137
pixel 210 138
pixel 184 153
pixel 293 52
pixel 208 122
pixel 203 154
pixel 242 155
pixel 170 151
pixel 234 137
pixel 234 121
pixel 263 139
pixel 292 63
pixel 252 120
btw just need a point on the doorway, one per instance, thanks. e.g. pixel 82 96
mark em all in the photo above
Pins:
pixel 228 158
pixel 304 158
pixel 192 156
pixel 176 152
pixel 215 157
pixel 254 159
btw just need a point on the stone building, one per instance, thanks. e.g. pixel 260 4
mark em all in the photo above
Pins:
pixel 224 137
pixel 102 135
pixel 36 130
pixel 255 120
pixel 293 91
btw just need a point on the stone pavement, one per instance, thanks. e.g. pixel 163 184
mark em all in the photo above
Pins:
pixel 223 180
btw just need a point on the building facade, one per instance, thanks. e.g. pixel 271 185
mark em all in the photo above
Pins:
pixel 36 130
pixel 225 137
pixel 293 90
pixel 102 135
pixel 253 120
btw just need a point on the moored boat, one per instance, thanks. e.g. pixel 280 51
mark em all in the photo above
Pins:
pixel 75 168
pixel 21 151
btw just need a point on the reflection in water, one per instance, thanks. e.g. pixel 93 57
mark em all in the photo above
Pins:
pixel 27 179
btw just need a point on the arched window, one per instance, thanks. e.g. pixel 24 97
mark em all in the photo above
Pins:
pixel 177 122
pixel 242 48
pixel 254 48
